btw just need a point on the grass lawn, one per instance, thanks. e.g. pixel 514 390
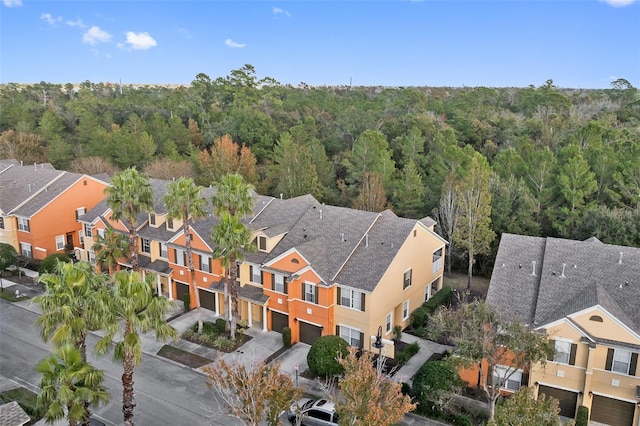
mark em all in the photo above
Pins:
pixel 26 399
pixel 183 357
pixel 10 296
pixel 458 281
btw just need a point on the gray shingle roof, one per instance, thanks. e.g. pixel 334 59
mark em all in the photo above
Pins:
pixel 53 190
pixel 11 414
pixel 20 183
pixel 570 276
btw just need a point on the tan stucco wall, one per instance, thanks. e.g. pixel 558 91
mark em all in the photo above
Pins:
pixel 9 235
pixel 608 328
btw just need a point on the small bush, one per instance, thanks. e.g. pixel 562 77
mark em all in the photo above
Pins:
pixel 286 337
pixel 461 420
pixel 582 418
pixel 223 343
pixel 406 354
pixel 418 318
pixel 221 325
pixel 397 333
pixel 432 380
pixel 323 356
pixel 186 299
pixel 49 264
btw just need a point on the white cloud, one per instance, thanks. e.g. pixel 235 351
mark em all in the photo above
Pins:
pixel 140 41
pixel 50 19
pixel 11 3
pixel 77 23
pixel 233 44
pixel 95 35
pixel 619 3
pixel 279 11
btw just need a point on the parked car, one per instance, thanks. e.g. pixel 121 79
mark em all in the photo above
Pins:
pixel 313 412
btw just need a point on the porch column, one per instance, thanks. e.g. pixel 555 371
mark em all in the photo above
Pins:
pixel 250 320
pixel 229 315
pixel 159 285
pixel 170 285
pixel 264 317
pixel 216 300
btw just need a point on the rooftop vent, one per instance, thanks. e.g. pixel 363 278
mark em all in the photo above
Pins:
pixel 564 265
pixel 533 268
pixel 620 260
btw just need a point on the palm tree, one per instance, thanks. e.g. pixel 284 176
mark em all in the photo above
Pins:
pixel 234 240
pixel 233 197
pixel 134 307
pixel 129 195
pixel 69 387
pixel 184 201
pixel 71 305
pixel 109 248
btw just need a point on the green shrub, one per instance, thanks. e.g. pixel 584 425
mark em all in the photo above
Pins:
pixel 406 354
pixel 418 318
pixel 461 420
pixel 431 381
pixel 221 325
pixel 582 418
pixel 186 299
pixel 49 264
pixel 397 333
pixel 442 297
pixel 323 356
pixel 286 337
pixel 223 343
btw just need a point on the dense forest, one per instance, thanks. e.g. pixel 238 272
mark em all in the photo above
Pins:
pixel 482 161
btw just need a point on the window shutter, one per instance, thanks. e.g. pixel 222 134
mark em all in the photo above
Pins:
pixel 286 286
pixel 316 295
pixel 362 302
pixel 262 277
pixel 634 364
pixel 273 281
pixel 524 381
pixel 199 262
pixel 251 273
pixel 184 258
pixel 572 355
pixel 337 330
pixel 360 346
pixel 609 363
pixel 552 354
pixel 175 254
pixel 339 295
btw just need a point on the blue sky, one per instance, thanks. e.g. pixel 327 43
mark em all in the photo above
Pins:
pixel 577 43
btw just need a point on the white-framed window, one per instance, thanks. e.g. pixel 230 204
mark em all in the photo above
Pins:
pixel 256 274
pixel 205 263
pixel 180 257
pixel 152 219
pixel 23 224
pixel 60 242
pixel 92 257
pixel 25 250
pixel 262 243
pixel 278 283
pixel 407 278
pixel 405 309
pixel 351 298
pixel 100 232
pixel 621 361
pixel 170 224
pixel 145 245
pixel 388 324
pixel 437 260
pixel 351 335
pixel 164 251
pixel 310 293
pixel 563 351
pixel 80 211
pixel 510 384
pixel 88 231
pixel 81 237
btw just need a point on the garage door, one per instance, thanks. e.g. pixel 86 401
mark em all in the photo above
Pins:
pixel 309 333
pixel 279 321
pixel 567 399
pixel 611 411
pixel 207 300
pixel 181 290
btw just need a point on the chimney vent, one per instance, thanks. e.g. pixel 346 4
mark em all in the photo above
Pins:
pixel 533 268
pixel 320 213
pixel 620 260
pixel 281 195
pixel 564 265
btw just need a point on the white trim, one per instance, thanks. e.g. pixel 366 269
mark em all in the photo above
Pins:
pixel 549 385
pixel 310 323
pixel 181 232
pixel 585 311
pixel 634 402
pixel 261 210
pixel 287 253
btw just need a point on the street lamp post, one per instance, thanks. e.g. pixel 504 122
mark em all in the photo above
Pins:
pixel 378 345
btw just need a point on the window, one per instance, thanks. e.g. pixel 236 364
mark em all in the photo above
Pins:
pixel 434 286
pixel 405 310
pixel 388 322
pixel 180 257
pixel 88 231
pixel 407 279
pixel 205 263
pixel 512 383
pixel 23 224
pixel 596 318
pixel 351 298
pixel 81 237
pixel 80 211
pixel 262 243
pixel 164 251
pixel 25 250
pixel 351 335
pixel 437 260
pixel 1 222
pixel 101 233
pixel 170 224
pixel 279 284
pixel 92 257
pixel 310 293
pixel 152 219
pixel 621 361
pixel 145 245
pixel 256 274
pixel 563 350
pixel 60 242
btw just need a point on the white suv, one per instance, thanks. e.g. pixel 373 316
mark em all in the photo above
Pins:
pixel 313 412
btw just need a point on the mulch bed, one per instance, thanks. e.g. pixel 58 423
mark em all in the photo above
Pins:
pixel 183 357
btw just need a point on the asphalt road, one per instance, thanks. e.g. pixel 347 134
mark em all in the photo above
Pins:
pixel 166 393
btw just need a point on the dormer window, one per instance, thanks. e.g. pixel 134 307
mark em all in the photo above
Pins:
pixel 152 219
pixel 262 243
pixel 170 224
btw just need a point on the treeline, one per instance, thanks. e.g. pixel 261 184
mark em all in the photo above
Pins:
pixel 561 162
